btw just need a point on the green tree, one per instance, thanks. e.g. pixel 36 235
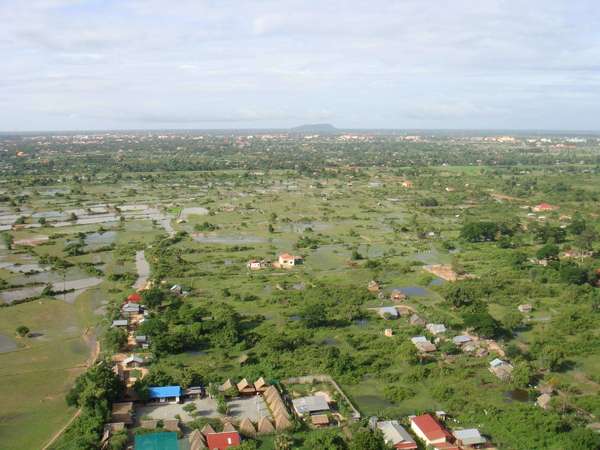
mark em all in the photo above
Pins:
pixel 365 439
pixel 22 330
pixel 549 252
pixel 114 339
pixel 329 439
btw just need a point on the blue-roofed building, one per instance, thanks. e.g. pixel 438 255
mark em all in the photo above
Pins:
pixel 165 394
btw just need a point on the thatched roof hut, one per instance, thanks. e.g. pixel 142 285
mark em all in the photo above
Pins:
pixel 228 427
pixel 282 423
pixel 197 441
pixel 265 426
pixel 244 387
pixel 226 386
pixel 247 428
pixel 260 385
pixel 207 429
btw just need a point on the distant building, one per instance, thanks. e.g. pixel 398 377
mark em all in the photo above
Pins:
pixel 544 207
pixel 287 261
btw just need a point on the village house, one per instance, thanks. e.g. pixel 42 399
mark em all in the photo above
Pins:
pixel 436 328
pixel 130 309
pixel 287 261
pixel 469 438
pixel 165 394
pixel 142 341
pixel 222 440
pixel 311 405
pixel 501 369
pixel 544 207
pixel 388 332
pixel 461 340
pixel 120 323
pixel 395 435
pixel 133 361
pixel 415 319
pixel 422 344
pixel 388 312
pixel 255 264
pixel 397 295
pixel 373 286
pixel 429 430
pixel 525 308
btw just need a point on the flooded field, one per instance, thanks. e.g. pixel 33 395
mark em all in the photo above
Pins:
pixel 96 240
pixel 7 344
pixel 198 211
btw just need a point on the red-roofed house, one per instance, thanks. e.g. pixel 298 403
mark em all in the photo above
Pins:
pixel 429 430
pixel 134 298
pixel 544 207
pixel 221 441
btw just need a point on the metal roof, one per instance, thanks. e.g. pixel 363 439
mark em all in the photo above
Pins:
pixel 310 404
pixel 469 436
pixel 164 391
pixel 393 432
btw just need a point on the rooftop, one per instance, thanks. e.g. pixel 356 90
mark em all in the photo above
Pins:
pixel 310 404
pixel 164 391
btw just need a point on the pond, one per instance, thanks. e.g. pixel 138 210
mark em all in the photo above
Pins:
pixel 228 240
pixel 518 395
pixel 414 291
pixel 7 344
pixel 437 282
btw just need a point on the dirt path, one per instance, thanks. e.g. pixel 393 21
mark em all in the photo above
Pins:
pixel 87 336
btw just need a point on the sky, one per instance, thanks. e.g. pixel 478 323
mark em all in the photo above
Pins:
pixel 206 64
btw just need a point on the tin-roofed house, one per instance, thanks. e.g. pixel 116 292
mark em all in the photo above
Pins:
pixel 395 435
pixel 165 394
pixel 311 405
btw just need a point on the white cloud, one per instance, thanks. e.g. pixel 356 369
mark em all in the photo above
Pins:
pixel 498 63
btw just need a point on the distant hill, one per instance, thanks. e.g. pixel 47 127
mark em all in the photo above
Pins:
pixel 315 128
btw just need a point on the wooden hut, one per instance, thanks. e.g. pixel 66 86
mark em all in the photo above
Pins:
pixel 246 388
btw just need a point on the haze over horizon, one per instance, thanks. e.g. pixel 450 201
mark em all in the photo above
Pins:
pixel 97 65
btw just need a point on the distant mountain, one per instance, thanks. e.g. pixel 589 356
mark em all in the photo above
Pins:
pixel 315 128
